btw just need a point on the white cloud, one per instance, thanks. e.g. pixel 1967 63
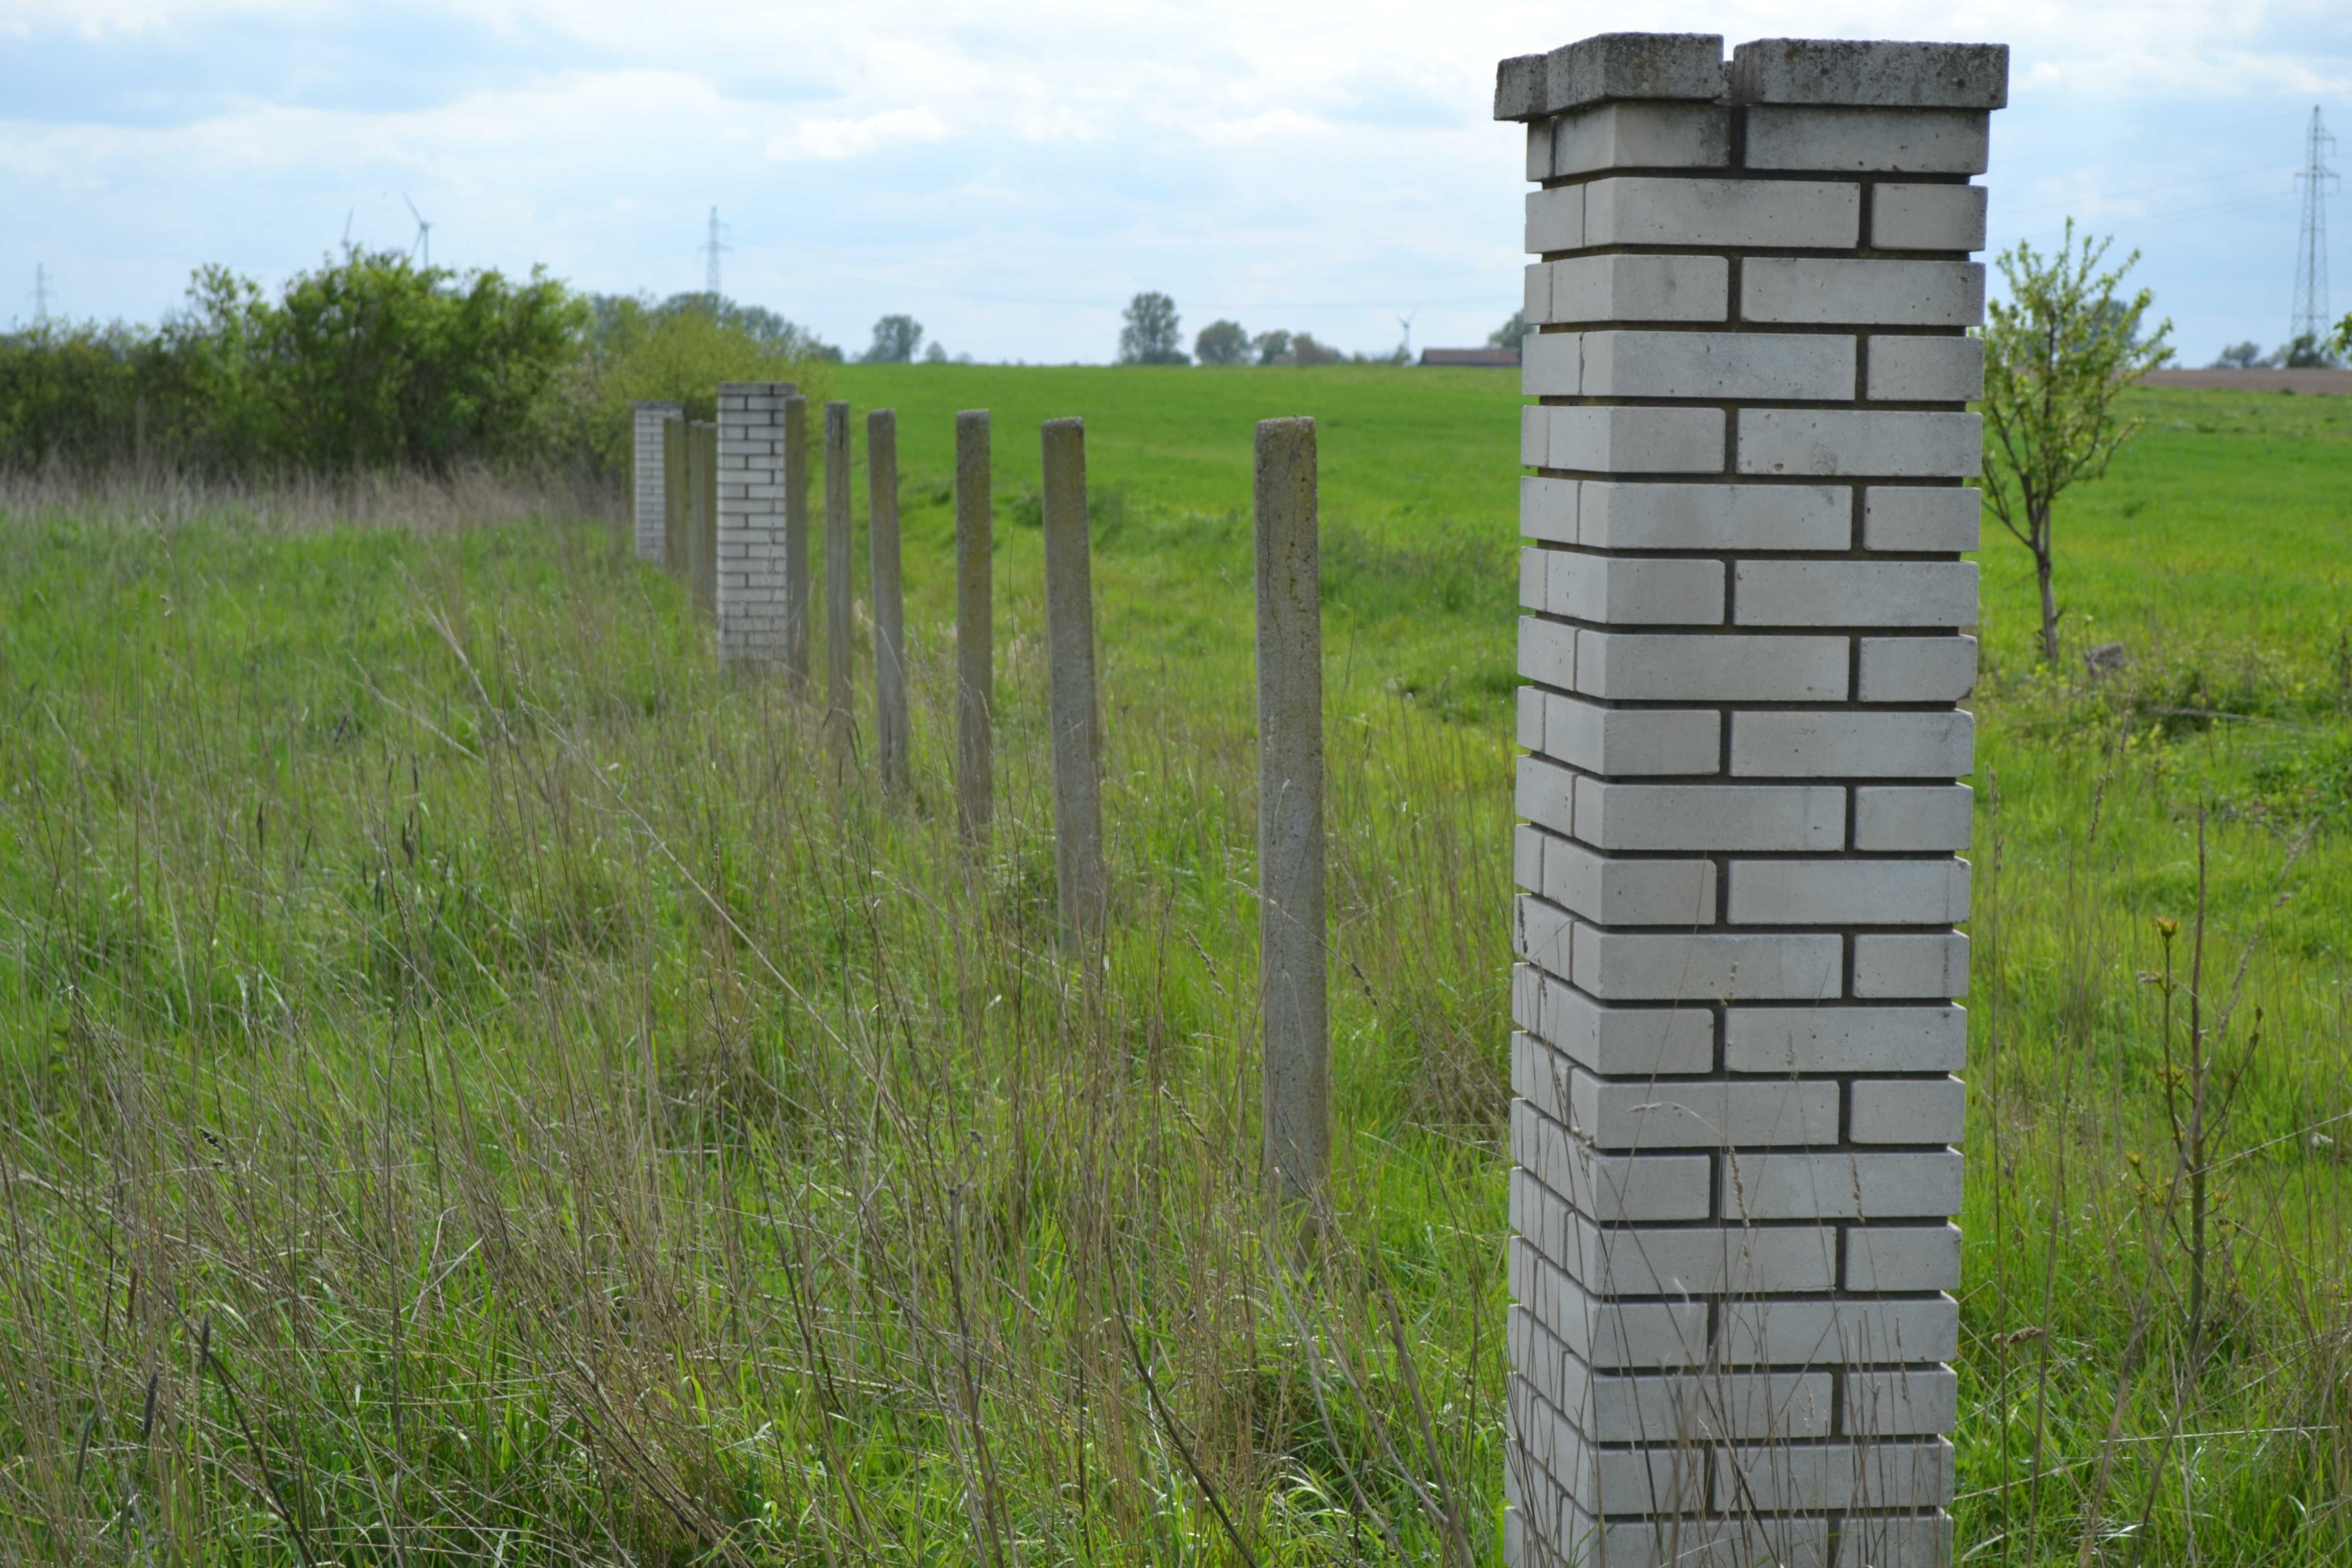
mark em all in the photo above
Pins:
pixel 823 137
pixel 1011 170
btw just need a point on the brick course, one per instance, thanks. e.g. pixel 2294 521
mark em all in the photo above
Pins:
pixel 649 491
pixel 753 595
pixel 1745 632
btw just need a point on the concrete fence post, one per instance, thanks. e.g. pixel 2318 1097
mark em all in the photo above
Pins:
pixel 838 586
pixel 678 464
pixel 1745 637
pixel 975 631
pixel 890 596
pixel 796 541
pixel 1080 879
pixel 698 463
pixel 649 427
pixel 1294 1022
pixel 697 484
pixel 750 554
pixel 706 519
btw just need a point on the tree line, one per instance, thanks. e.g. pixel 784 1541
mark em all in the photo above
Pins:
pixel 2308 351
pixel 1152 333
pixel 372 362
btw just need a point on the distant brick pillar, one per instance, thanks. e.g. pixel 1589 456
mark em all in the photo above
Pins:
pixel 648 478
pixel 1744 639
pixel 751 606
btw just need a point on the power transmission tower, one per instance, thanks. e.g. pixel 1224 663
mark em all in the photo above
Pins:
pixel 712 248
pixel 40 294
pixel 2311 317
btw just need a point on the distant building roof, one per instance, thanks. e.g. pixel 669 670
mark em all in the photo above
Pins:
pixel 2309 382
pixel 1498 357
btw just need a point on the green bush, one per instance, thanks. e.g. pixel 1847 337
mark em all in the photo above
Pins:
pixel 70 393
pixel 370 363
pixel 677 351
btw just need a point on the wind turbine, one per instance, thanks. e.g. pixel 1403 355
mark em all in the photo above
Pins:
pixel 347 213
pixel 423 247
pixel 1406 322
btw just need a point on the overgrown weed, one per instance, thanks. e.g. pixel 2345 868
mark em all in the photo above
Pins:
pixel 473 1090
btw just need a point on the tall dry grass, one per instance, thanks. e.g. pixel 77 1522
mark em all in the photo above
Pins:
pixel 476 1087
pixel 499 1100
pixel 155 495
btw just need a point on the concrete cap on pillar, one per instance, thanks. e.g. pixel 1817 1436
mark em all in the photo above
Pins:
pixel 1671 66
pixel 1866 75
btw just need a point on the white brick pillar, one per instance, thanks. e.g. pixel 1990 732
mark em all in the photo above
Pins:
pixel 1745 635
pixel 751 603
pixel 647 494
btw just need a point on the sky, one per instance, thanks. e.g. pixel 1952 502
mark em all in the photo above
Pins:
pixel 1009 173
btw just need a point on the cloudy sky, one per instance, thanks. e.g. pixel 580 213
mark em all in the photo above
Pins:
pixel 1010 172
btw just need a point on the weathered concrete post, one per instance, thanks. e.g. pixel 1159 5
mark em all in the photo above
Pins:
pixel 1297 1061
pixel 890 596
pixel 706 519
pixel 975 631
pixel 796 542
pixel 750 537
pixel 697 484
pixel 1080 878
pixel 1744 639
pixel 648 440
pixel 838 587
pixel 678 464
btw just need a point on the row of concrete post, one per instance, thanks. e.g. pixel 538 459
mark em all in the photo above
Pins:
pixel 1746 640
pixel 724 506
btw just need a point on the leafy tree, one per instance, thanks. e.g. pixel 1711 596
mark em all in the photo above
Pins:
pixel 755 323
pixel 371 361
pixel 367 362
pixel 1151 331
pixel 936 353
pixel 1509 334
pixel 1305 350
pixel 1294 348
pixel 2059 352
pixel 70 393
pixel 2342 339
pixel 2239 356
pixel 896 338
pixel 374 363
pixel 1222 343
pixel 2308 351
pixel 679 350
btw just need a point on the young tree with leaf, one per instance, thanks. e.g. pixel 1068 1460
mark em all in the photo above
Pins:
pixel 2059 352
pixel 896 338
pixel 1222 343
pixel 1150 334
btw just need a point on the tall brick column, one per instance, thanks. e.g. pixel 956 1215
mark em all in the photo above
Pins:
pixel 1744 639
pixel 751 609
pixel 649 494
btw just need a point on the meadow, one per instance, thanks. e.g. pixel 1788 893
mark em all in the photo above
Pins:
pixel 479 1084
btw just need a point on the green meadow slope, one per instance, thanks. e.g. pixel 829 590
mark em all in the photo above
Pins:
pixel 480 1085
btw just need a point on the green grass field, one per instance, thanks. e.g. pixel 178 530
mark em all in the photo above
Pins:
pixel 477 1086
